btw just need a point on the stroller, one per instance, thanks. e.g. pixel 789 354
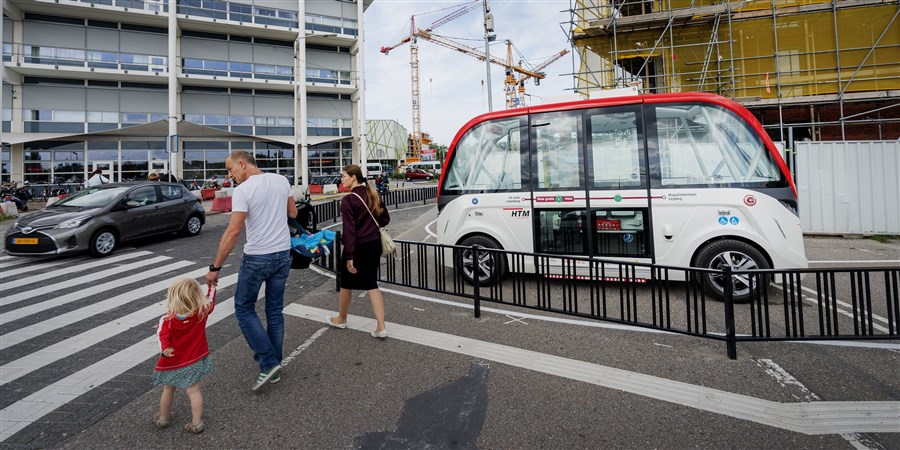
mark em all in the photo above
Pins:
pixel 308 244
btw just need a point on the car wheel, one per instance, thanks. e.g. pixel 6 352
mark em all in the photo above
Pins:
pixel 490 267
pixel 103 242
pixel 192 226
pixel 739 256
pixel 408 179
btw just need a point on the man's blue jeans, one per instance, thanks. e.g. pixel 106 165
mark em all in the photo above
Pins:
pixel 273 269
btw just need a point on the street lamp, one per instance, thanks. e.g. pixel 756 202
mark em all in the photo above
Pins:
pixel 488 37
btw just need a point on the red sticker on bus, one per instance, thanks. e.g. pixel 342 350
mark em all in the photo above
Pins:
pixel 749 200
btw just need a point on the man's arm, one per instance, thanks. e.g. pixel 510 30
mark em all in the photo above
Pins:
pixel 292 208
pixel 226 244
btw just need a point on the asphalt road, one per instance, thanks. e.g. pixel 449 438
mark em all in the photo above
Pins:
pixel 76 368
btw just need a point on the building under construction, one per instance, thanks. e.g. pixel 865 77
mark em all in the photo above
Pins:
pixel 808 69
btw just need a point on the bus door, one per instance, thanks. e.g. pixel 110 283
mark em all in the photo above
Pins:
pixel 558 195
pixel 618 208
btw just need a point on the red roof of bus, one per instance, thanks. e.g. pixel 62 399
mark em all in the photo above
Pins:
pixel 629 100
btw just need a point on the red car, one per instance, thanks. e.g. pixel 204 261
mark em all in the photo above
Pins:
pixel 418 174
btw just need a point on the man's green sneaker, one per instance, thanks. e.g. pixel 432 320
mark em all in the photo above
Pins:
pixel 275 378
pixel 264 377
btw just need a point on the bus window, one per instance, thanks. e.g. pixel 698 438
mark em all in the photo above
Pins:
pixel 557 148
pixel 615 154
pixel 621 232
pixel 488 158
pixel 702 145
pixel 561 231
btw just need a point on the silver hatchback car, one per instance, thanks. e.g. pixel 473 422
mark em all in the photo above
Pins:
pixel 97 219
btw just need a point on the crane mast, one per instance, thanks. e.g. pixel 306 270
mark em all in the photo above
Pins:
pixel 515 88
pixel 414 68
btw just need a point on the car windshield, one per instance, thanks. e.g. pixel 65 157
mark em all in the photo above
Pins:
pixel 96 197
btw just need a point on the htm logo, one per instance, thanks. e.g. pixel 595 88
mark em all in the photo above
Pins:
pixel 520 213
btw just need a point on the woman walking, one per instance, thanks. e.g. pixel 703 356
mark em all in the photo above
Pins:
pixel 362 247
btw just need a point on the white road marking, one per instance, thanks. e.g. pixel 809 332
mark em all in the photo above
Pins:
pixel 14 370
pixel 514 319
pixel 428 229
pixel 303 346
pixel 32 331
pixel 44 277
pixel 30 409
pixel 808 418
pixel 596 324
pixel 9 273
pixel 93 278
pixel 662 345
pixel 813 300
pixel 784 378
pixel 35 308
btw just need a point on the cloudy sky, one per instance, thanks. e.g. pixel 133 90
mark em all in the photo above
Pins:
pixel 452 87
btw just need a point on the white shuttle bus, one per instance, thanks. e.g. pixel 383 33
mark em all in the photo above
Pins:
pixel 687 180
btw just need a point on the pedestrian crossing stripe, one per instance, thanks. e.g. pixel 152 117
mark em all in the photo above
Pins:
pixel 14 370
pixel 48 276
pixel 32 408
pixel 7 273
pixel 29 332
pixel 18 297
pixel 35 308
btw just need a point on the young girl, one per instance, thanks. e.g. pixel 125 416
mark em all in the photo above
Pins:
pixel 185 352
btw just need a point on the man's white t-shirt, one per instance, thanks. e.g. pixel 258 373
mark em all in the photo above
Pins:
pixel 96 180
pixel 264 198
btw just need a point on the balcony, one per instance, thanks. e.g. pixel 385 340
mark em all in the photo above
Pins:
pixel 88 64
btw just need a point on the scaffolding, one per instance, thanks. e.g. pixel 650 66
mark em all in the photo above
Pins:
pixel 808 69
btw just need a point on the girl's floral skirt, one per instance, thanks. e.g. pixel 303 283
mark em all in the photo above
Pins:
pixel 185 376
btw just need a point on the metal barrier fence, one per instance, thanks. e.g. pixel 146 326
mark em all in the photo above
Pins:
pixel 779 305
pixel 772 305
pixel 331 210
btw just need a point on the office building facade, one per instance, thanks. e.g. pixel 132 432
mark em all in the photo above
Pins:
pixel 124 86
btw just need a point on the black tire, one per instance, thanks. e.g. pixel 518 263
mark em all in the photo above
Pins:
pixel 740 256
pixel 408 179
pixel 492 265
pixel 192 226
pixel 103 242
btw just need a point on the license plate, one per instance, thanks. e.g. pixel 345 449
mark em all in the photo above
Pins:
pixel 25 241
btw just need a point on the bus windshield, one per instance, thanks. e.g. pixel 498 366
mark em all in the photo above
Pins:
pixel 488 158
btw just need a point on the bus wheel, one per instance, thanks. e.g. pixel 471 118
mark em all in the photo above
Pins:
pixel 740 256
pixel 490 267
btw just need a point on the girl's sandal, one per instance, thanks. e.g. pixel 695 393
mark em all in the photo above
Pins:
pixel 159 422
pixel 196 429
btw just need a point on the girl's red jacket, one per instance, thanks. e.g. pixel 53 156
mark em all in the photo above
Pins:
pixel 187 337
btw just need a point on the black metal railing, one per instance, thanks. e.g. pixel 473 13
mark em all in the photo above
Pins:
pixel 331 210
pixel 808 304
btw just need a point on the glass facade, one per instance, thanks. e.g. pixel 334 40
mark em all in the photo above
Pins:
pixel 91 75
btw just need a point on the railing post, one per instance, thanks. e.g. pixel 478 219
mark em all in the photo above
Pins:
pixel 728 285
pixel 336 259
pixel 476 282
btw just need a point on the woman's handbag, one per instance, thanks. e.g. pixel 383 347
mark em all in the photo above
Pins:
pixel 388 247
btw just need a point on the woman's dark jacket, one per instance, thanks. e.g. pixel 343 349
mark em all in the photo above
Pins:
pixel 358 225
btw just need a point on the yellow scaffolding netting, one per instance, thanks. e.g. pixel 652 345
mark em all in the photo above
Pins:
pixel 762 50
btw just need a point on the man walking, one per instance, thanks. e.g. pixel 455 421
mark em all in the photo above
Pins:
pixel 263 202
pixel 96 179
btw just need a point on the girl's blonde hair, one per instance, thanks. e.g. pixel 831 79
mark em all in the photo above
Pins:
pixel 185 298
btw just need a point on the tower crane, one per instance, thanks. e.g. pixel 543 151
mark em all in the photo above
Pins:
pixel 515 88
pixel 414 65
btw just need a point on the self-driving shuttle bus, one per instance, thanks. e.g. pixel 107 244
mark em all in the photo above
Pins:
pixel 686 180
